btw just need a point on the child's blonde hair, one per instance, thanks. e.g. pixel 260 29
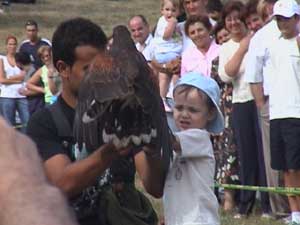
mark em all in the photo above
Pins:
pixel 174 2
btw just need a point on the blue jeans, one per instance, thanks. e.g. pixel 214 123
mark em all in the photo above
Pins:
pixel 9 107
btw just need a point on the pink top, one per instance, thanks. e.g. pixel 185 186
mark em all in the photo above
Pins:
pixel 194 60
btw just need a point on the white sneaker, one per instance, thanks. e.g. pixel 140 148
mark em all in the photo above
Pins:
pixel 287 220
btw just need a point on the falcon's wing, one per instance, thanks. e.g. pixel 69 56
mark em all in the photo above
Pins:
pixel 119 101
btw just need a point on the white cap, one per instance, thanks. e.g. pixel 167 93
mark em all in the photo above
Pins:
pixel 286 8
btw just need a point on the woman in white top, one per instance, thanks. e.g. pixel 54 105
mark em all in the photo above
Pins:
pixel 233 55
pixel 11 79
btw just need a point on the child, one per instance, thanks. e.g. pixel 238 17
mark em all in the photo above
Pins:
pixel 284 98
pixel 189 194
pixel 220 33
pixel 166 44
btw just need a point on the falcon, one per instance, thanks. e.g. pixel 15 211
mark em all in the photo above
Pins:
pixel 119 101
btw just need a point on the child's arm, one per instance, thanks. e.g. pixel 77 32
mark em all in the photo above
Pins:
pixel 170 28
pixel 176 144
pixel 193 143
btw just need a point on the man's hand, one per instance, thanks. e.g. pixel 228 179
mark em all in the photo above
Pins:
pixel 109 152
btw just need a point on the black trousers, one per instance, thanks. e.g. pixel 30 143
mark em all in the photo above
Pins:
pixel 250 153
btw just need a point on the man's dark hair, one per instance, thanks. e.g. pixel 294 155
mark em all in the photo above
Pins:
pixel 74 33
pixel 214 6
pixel 22 58
pixel 251 8
pixel 31 23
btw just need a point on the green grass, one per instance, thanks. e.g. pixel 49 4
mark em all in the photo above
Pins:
pixel 226 217
pixel 106 13
pixel 49 13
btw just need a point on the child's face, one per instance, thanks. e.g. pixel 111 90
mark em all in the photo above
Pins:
pixel 169 10
pixel 223 36
pixel 288 26
pixel 191 110
pixel 46 57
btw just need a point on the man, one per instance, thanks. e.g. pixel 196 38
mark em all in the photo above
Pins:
pixel 141 35
pixel 33 43
pixel 82 178
pixel 25 193
pixel 284 99
pixel 259 73
pixel 30 47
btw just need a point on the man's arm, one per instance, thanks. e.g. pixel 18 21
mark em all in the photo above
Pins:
pixel 26 196
pixel 73 177
pixel 258 94
pixel 254 72
pixel 70 177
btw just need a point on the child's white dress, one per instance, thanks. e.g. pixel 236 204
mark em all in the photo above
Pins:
pixel 166 50
pixel 189 197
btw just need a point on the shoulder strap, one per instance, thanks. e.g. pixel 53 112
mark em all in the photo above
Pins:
pixel 61 122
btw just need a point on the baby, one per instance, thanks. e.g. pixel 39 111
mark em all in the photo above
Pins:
pixel 167 45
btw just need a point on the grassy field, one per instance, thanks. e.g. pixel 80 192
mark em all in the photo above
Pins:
pixel 106 13
pixel 49 13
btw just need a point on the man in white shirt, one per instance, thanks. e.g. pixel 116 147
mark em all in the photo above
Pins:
pixel 140 32
pixel 258 73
